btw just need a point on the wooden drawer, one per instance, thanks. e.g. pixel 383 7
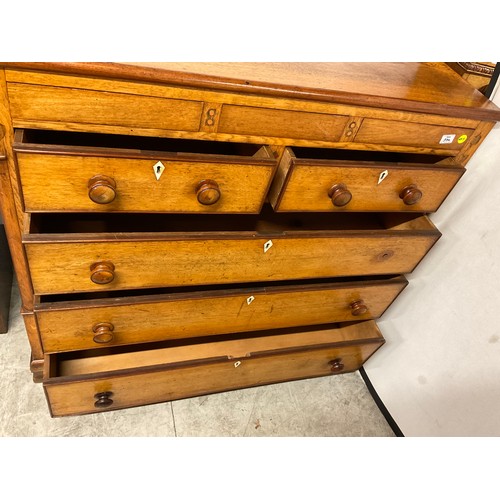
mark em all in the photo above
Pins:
pixel 264 122
pixel 110 173
pixel 136 113
pixel 331 180
pixel 97 252
pixel 401 133
pixel 122 319
pixel 99 380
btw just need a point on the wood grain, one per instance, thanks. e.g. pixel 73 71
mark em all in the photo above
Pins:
pixel 309 181
pixel 391 132
pixel 218 98
pixel 64 267
pixel 262 343
pixel 423 87
pixel 74 394
pixel 11 207
pixel 209 336
pixel 70 326
pixel 42 103
pixel 60 183
pixel 244 120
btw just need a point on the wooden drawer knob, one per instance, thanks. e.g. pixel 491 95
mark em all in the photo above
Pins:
pixel 103 399
pixel 102 273
pixel 358 307
pixel 208 192
pixel 340 195
pixel 336 365
pixel 102 189
pixel 410 195
pixel 103 333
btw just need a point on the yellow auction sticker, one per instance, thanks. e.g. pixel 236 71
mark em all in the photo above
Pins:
pixel 462 139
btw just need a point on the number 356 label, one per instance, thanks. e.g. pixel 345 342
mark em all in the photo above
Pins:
pixel 447 139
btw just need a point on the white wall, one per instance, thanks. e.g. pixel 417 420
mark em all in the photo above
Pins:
pixel 439 372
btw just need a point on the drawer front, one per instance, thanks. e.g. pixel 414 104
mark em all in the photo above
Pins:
pixel 333 186
pixel 134 388
pixel 87 324
pixel 399 133
pixel 97 266
pixel 262 122
pixel 104 184
pixel 39 103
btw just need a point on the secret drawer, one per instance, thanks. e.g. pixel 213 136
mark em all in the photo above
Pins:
pixel 69 171
pixel 44 104
pixel 97 252
pixel 87 382
pixel 423 135
pixel 123 319
pixel 326 180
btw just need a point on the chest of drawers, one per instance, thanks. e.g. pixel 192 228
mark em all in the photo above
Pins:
pixel 181 229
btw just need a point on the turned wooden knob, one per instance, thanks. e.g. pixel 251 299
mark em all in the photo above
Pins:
pixel 103 333
pixel 208 192
pixel 336 365
pixel 103 399
pixel 410 195
pixel 340 195
pixel 102 189
pixel 102 272
pixel 358 307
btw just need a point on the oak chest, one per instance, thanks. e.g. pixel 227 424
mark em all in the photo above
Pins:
pixel 181 229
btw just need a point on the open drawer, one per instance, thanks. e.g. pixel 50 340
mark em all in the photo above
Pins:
pixel 78 172
pixel 86 382
pixel 96 252
pixel 120 318
pixel 326 180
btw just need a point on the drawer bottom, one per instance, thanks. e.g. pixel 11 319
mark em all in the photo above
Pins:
pixel 77 387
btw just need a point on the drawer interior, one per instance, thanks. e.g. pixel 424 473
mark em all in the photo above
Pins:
pixel 34 140
pixel 115 297
pixel 365 156
pixel 224 347
pixel 266 223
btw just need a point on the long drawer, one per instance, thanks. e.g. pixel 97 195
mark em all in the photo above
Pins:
pixel 130 319
pixel 84 382
pixel 69 253
pixel 310 179
pixel 74 172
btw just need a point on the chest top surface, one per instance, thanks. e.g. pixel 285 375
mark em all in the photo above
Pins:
pixel 419 87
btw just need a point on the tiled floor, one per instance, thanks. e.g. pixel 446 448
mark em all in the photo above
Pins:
pixel 328 406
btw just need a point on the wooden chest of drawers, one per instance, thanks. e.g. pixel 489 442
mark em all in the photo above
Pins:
pixel 182 229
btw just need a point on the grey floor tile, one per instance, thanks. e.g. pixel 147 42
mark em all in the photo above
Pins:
pixel 24 411
pixel 328 406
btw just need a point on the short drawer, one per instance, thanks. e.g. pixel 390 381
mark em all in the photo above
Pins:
pixel 131 319
pixel 84 382
pixel 69 171
pixel 321 180
pixel 101 252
